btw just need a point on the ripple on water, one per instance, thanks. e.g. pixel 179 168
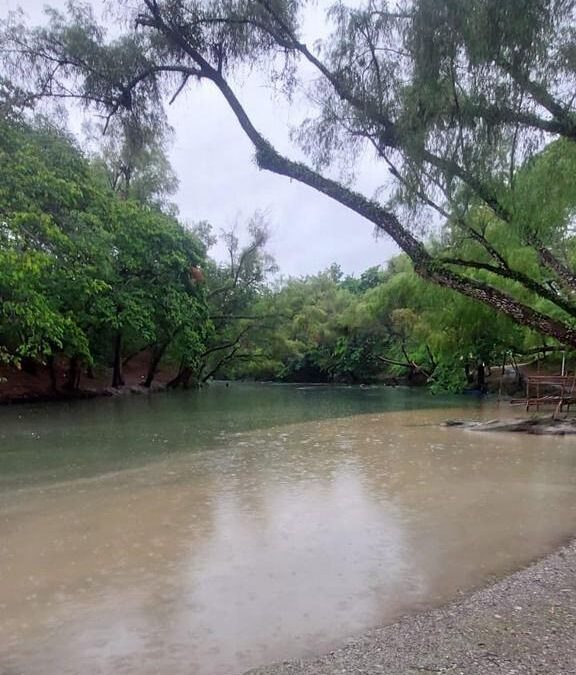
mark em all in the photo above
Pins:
pixel 270 544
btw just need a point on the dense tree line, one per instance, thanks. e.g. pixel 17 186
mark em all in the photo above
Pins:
pixel 85 274
pixel 92 276
pixel 467 105
pixel 452 97
pixel 96 269
pixel 392 321
pixel 385 325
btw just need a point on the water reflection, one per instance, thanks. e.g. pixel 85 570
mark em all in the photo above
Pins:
pixel 274 544
pixel 49 442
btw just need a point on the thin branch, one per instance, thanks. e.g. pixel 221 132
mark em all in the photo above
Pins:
pixel 543 97
pixel 180 88
pixel 519 277
pixel 411 365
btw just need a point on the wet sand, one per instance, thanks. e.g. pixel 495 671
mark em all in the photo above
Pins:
pixel 522 625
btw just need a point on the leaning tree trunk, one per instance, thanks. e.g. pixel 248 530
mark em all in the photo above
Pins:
pixel 269 159
pixel 182 379
pixel 117 376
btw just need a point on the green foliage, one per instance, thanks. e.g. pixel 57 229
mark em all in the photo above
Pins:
pixel 467 103
pixel 132 160
pixel 80 266
pixel 320 331
pixel 452 97
pixel 328 330
pixel 394 321
pixel 236 302
pixel 91 276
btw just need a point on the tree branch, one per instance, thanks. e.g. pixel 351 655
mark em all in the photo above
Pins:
pixel 518 277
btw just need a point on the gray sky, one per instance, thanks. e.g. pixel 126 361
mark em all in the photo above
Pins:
pixel 220 183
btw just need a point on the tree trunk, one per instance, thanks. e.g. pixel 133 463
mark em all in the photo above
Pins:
pixel 73 376
pixel 481 377
pixel 157 354
pixel 182 379
pixel 186 377
pixel 29 366
pixel 564 274
pixel 500 301
pixel 117 377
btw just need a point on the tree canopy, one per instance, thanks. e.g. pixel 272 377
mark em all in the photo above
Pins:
pixel 93 277
pixel 86 274
pixel 452 97
pixel 466 107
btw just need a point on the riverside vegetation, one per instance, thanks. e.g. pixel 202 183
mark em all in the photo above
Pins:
pixel 466 105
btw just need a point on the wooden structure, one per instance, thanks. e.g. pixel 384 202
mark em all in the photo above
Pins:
pixel 561 388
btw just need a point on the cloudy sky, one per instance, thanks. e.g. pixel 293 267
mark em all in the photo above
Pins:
pixel 220 183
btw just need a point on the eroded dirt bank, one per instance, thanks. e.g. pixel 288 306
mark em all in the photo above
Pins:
pixel 37 384
pixel 524 624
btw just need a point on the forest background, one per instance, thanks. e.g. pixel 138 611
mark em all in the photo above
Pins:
pixel 468 106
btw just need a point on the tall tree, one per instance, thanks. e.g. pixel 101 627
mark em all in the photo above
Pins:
pixel 134 160
pixel 233 289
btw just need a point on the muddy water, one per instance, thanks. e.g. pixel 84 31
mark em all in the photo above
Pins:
pixel 254 542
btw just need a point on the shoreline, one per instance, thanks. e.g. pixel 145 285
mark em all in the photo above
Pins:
pixel 40 385
pixel 523 624
pixel 83 395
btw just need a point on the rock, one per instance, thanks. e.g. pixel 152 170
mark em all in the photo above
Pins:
pixel 533 425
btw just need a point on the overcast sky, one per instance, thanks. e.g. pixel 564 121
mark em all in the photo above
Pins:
pixel 220 183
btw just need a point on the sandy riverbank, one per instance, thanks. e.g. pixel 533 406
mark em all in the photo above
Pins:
pixel 522 625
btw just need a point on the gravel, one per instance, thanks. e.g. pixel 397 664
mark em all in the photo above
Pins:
pixel 524 624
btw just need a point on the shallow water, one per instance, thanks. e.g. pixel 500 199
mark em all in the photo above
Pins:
pixel 209 533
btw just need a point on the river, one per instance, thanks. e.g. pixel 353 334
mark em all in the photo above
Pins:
pixel 210 532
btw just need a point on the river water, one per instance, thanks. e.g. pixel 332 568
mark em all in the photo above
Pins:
pixel 210 532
